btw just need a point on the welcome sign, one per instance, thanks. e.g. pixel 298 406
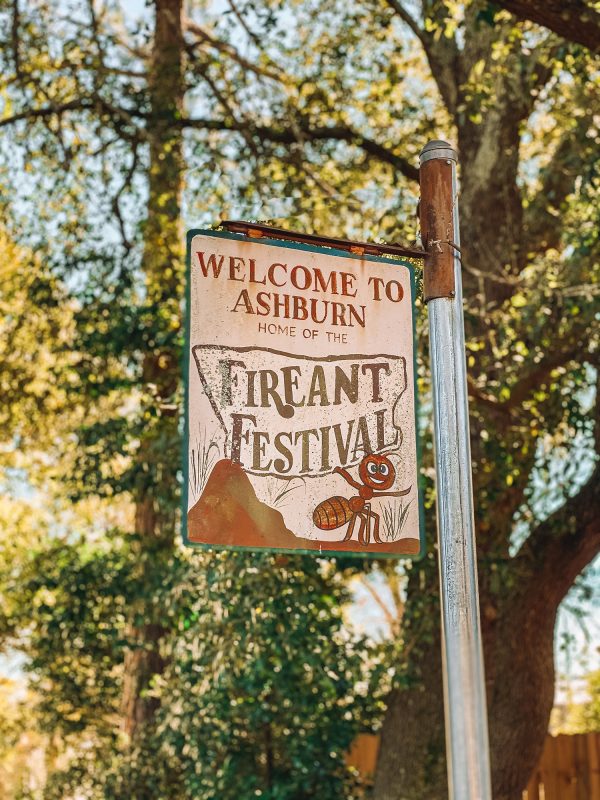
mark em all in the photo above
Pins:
pixel 300 414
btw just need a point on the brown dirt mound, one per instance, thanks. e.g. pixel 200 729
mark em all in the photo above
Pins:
pixel 229 513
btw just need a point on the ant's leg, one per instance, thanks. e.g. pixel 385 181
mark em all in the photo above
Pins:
pixel 350 530
pixel 364 523
pixel 376 519
pixel 369 514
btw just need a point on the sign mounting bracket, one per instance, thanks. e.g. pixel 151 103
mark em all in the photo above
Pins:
pixel 257 230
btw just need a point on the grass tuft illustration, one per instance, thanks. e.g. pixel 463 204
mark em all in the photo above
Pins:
pixel 202 459
pixel 276 492
pixel 394 517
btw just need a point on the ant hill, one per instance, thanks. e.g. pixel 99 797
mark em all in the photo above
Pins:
pixel 228 512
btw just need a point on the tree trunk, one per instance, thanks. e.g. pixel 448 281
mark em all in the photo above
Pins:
pixel 520 685
pixel 520 681
pixel 411 763
pixel 156 493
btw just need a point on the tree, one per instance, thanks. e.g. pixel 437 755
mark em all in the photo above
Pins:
pixel 264 691
pixel 573 20
pixel 59 86
pixel 107 97
pixel 44 578
pixel 335 104
pixel 155 517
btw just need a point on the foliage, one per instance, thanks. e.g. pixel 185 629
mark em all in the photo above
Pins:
pixel 582 717
pixel 587 718
pixel 36 332
pixel 263 693
pixel 262 689
pixel 20 743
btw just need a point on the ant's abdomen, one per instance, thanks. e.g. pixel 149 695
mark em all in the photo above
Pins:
pixel 332 513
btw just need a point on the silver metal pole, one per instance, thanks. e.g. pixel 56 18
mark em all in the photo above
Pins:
pixel 464 684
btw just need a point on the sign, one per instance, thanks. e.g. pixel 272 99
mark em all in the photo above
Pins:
pixel 300 414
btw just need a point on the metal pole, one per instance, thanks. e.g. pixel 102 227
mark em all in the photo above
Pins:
pixel 462 653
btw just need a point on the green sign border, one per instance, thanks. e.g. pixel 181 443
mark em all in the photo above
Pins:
pixel 186 367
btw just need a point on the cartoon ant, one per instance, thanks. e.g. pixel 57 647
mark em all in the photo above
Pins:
pixel 377 474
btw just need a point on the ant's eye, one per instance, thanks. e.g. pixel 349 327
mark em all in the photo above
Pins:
pixel 372 468
pixel 384 469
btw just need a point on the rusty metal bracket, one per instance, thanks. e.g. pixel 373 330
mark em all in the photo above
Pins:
pixel 257 230
pixel 436 219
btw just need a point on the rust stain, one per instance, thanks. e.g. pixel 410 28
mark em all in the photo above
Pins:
pixel 437 228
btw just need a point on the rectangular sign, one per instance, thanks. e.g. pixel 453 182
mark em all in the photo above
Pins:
pixel 301 408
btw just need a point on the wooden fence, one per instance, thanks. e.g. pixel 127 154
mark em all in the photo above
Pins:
pixel 363 754
pixel 569 768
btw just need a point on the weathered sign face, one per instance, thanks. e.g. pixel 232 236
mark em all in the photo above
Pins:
pixel 301 429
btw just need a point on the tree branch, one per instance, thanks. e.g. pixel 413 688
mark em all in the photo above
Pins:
pixel 557 182
pixel 392 620
pixel 538 376
pixel 82 104
pixel 407 18
pixel 116 201
pixel 571 19
pixel 240 18
pixel 442 52
pixel 484 399
pixel 224 47
pixel 46 111
pixel 525 386
pixel 340 133
pixel 15 38
pixel 563 544
pixel 444 55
